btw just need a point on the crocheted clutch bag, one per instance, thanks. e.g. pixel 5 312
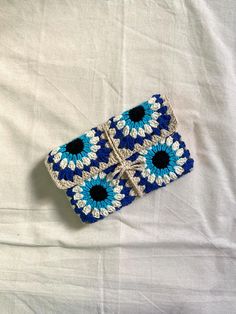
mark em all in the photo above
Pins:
pixel 130 155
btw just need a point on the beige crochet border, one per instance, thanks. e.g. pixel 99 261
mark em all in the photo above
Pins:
pixel 125 153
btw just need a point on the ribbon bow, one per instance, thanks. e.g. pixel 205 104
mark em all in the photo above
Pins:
pixel 124 166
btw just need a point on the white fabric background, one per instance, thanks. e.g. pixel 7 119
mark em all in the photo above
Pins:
pixel 66 66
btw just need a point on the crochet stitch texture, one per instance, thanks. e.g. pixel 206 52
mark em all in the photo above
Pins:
pixel 130 155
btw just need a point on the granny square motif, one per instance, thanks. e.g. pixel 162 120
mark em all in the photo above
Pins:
pixel 128 156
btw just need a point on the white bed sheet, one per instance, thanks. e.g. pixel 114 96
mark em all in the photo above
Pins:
pixel 66 66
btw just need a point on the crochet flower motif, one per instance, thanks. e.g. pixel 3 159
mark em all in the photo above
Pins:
pixel 80 154
pixel 98 197
pixel 140 122
pixel 164 162
pixel 79 151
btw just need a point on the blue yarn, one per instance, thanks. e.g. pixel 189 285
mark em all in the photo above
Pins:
pixel 182 144
pixel 176 136
pixel 56 167
pixel 103 155
pixel 149 136
pixel 69 192
pixel 159 98
pixel 157 131
pixel 162 110
pixel 110 169
pixel 149 187
pixel 66 174
pixel 133 157
pixel 186 154
pixel 188 165
pixel 50 159
pixel 127 142
pixel 128 200
pixel 73 202
pixel 78 172
pixel 160 160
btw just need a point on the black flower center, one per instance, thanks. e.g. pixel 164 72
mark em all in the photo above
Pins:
pixel 98 193
pixel 161 159
pixel 75 147
pixel 136 114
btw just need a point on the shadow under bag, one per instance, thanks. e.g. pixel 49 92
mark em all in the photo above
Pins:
pixel 128 156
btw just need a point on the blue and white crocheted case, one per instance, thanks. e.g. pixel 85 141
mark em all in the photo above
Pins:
pixel 128 156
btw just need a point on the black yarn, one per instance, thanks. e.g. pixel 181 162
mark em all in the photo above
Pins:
pixel 98 193
pixel 161 159
pixel 75 147
pixel 136 114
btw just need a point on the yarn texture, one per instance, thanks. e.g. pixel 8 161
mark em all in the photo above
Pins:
pixel 130 155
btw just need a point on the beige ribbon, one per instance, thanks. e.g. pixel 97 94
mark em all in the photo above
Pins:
pixel 124 166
